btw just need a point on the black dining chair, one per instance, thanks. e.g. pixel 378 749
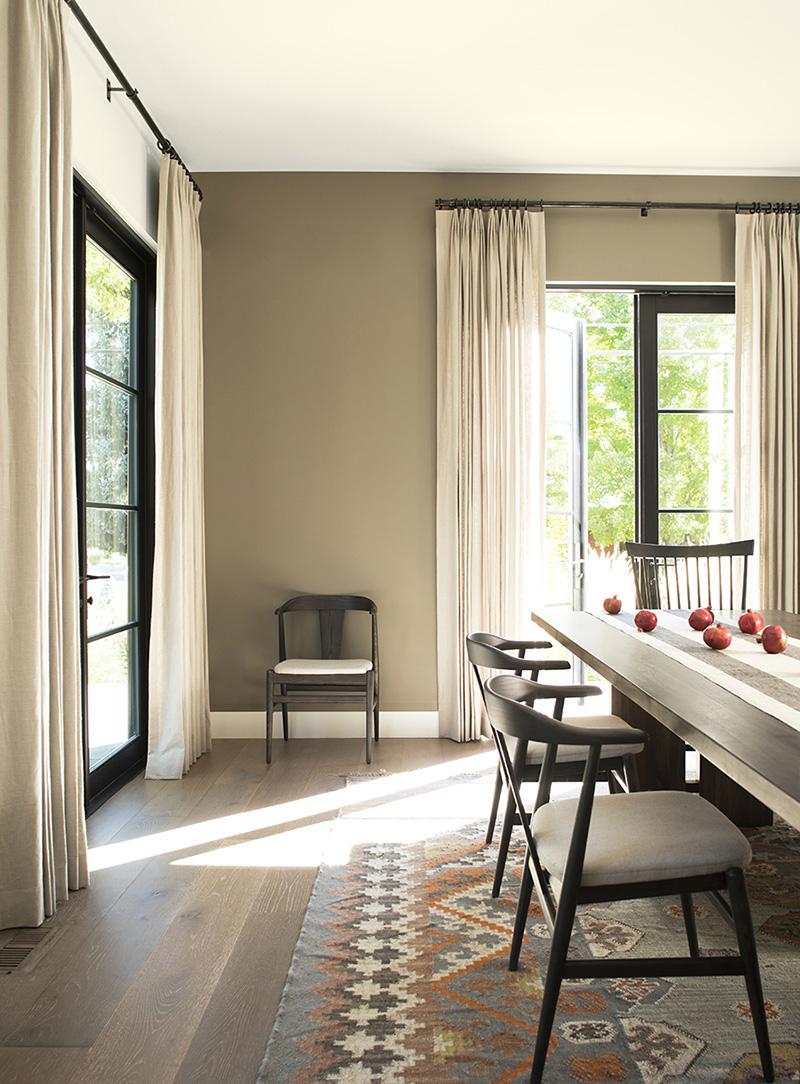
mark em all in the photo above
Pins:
pixel 603 848
pixel 685 577
pixel 326 679
pixel 488 652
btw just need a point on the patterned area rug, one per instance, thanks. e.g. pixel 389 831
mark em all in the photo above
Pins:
pixel 400 973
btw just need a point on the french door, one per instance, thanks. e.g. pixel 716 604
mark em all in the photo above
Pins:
pixel 114 346
pixel 566 462
pixel 650 455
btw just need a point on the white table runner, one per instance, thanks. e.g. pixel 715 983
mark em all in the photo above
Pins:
pixel 768 682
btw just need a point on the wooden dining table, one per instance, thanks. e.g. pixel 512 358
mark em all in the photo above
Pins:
pixel 749 746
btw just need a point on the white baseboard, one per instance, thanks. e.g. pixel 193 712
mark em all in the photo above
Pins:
pixel 325 724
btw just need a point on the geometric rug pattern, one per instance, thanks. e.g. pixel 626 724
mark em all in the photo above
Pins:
pixel 400 973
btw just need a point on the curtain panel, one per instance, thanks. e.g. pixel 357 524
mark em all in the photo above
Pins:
pixel 491 415
pixel 42 828
pixel 768 361
pixel 179 715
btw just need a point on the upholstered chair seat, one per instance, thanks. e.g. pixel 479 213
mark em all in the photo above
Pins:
pixel 633 838
pixel 323 666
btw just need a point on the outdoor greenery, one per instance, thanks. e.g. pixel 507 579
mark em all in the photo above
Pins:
pixel 109 304
pixel 608 319
pixel 108 406
pixel 694 450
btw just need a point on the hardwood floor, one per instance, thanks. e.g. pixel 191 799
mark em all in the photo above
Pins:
pixel 169 969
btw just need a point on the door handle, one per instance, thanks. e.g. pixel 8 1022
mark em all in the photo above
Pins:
pixel 90 576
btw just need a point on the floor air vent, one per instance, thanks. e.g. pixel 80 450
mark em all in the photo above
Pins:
pixel 16 951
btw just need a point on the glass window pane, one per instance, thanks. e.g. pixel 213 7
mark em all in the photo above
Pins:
pixel 694 528
pixel 694 452
pixel 107 534
pixel 558 565
pixel 109 307
pixel 560 404
pixel 695 360
pixel 109 714
pixel 559 457
pixel 608 322
pixel 108 411
pixel 610 448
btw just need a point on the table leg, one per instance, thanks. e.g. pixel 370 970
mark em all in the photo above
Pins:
pixel 736 802
pixel 662 766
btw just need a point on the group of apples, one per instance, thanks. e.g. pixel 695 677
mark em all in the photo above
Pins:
pixel 772 638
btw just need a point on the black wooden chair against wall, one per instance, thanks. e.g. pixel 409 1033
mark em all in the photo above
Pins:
pixel 685 577
pixel 602 848
pixel 312 683
pixel 489 652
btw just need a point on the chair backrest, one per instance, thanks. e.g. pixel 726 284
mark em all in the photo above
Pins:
pixel 331 610
pixel 510 716
pixel 510 699
pixel 685 577
pixel 485 650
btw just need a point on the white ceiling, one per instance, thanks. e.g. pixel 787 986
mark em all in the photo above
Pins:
pixel 511 86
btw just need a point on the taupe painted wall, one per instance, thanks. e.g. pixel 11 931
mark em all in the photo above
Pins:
pixel 320 351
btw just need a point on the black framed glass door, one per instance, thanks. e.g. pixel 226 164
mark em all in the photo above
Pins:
pixel 114 345
pixel 685 448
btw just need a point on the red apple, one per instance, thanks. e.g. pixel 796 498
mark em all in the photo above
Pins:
pixel 718 637
pixel 772 639
pixel 645 620
pixel 701 619
pixel 752 621
pixel 612 605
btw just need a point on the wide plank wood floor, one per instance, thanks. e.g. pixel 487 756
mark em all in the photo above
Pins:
pixel 169 969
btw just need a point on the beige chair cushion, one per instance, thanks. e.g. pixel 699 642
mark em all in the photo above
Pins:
pixel 568 754
pixel 323 666
pixel 644 836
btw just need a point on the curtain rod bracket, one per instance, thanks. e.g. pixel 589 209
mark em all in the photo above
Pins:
pixel 645 209
pixel 113 90
pixel 162 142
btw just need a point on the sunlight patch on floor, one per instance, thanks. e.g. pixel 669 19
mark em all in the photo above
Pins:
pixel 280 816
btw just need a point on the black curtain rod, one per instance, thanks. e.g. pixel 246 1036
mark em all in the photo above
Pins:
pixel 643 206
pixel 164 144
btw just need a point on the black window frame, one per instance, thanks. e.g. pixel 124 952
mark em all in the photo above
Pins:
pixel 94 218
pixel 648 305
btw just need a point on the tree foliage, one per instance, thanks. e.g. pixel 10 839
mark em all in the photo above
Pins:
pixel 693 373
pixel 109 304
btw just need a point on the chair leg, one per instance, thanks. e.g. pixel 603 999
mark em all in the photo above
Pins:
pixel 505 838
pixel 376 726
pixel 523 903
pixel 270 707
pixel 690 923
pixel 743 922
pixel 285 713
pixel 562 933
pixel 631 773
pixel 498 790
pixel 370 693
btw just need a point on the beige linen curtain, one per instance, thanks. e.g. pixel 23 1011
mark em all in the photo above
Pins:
pixel 768 361
pixel 179 723
pixel 42 830
pixel 490 441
